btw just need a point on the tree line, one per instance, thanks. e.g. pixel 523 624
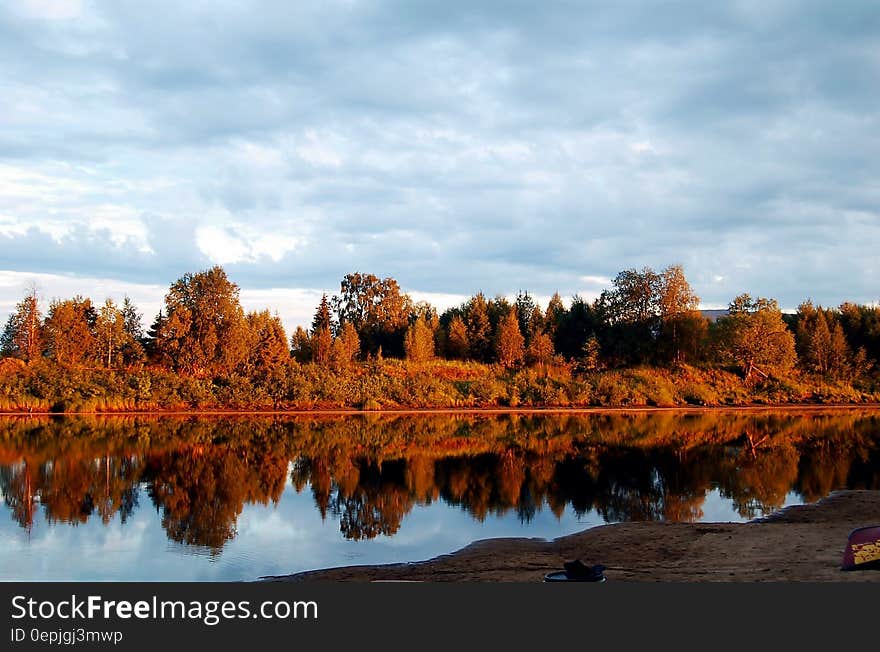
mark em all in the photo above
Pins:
pixel 645 318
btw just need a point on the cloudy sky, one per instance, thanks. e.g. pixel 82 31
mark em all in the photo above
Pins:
pixel 458 147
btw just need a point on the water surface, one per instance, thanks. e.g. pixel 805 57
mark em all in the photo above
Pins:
pixel 227 498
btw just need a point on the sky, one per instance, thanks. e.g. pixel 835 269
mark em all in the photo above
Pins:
pixel 456 146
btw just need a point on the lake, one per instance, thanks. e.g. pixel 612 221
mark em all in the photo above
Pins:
pixel 239 497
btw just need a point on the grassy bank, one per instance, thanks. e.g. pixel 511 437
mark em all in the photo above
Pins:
pixel 395 384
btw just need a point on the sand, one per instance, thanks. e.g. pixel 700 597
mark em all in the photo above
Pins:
pixel 802 543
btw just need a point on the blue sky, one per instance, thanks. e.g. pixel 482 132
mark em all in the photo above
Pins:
pixel 491 146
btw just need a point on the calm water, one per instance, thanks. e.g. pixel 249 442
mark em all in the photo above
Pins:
pixel 219 498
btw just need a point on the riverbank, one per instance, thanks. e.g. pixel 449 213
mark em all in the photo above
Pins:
pixel 390 385
pixel 783 408
pixel 804 543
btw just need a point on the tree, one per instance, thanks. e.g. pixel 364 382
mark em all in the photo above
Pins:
pixel 132 319
pixel 754 336
pixel 526 308
pixel 70 331
pixel 457 343
pixel 509 342
pixel 536 324
pixel 377 309
pixel 819 349
pixel 677 305
pixel 479 330
pixel 590 355
pixel 321 344
pixel 110 333
pixel 23 333
pixel 574 327
pixel 540 349
pixel 267 350
pixel 841 360
pixel 861 326
pixel 323 318
pixel 150 340
pixel 635 298
pixel 419 341
pixel 300 345
pixel 631 312
pixel 132 348
pixel 497 310
pixel 820 341
pixel 204 332
pixel 554 314
pixel 346 347
pixel 321 341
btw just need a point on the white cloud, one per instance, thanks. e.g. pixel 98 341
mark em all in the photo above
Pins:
pixel 13 284
pixel 51 9
pixel 320 150
pixel 221 245
pixel 511 149
pixel 643 147
pixel 594 282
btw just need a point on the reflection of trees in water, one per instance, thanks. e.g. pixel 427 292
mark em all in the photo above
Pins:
pixel 638 485
pixel 202 490
pixel 19 492
pixel 71 489
pixel 757 481
pixel 375 504
pixel 370 472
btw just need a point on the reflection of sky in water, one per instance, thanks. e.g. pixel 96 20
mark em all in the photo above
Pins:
pixel 284 538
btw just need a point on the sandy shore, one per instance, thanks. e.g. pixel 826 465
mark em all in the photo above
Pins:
pixel 803 543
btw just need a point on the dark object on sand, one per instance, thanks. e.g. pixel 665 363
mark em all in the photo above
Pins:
pixel 862 549
pixel 577 571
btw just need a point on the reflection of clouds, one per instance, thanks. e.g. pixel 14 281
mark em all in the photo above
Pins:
pixel 271 540
pixel 717 509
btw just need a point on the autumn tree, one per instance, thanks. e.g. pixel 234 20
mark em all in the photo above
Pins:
pixel 301 345
pixel 267 344
pixel 118 333
pixel 497 310
pixel 419 340
pixel 70 331
pixel 204 329
pixel 681 327
pixel 457 343
pixel 528 314
pixel 509 342
pixel 110 333
pixel 554 314
pixel 536 323
pixel 377 309
pixel 820 340
pixel 132 348
pixel 754 337
pixel 23 334
pixel 479 329
pixel 346 346
pixel 540 349
pixel 323 318
pixel 322 333
pixel 861 326
pixel 591 355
